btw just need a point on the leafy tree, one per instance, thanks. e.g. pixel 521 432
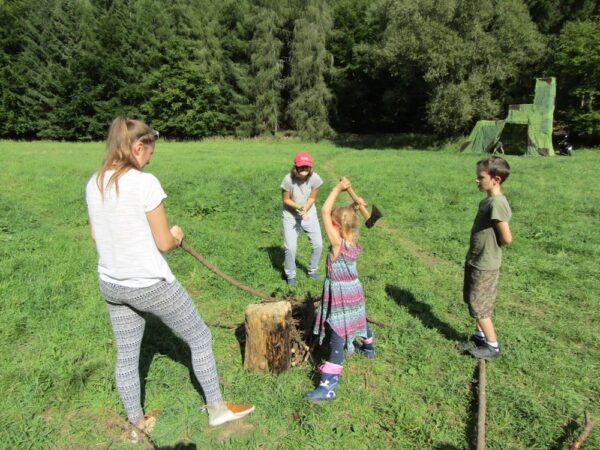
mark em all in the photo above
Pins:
pixel 359 86
pixel 551 15
pixel 68 67
pixel 454 53
pixel 577 62
pixel 310 65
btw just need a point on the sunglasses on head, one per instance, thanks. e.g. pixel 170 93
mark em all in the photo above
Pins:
pixel 150 136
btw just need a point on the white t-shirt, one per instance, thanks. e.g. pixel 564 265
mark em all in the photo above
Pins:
pixel 127 253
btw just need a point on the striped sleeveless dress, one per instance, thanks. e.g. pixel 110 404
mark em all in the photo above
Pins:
pixel 343 302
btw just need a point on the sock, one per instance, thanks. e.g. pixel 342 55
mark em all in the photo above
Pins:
pixel 479 335
pixel 368 343
pixel 493 344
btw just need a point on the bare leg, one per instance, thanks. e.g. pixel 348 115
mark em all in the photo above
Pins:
pixel 486 325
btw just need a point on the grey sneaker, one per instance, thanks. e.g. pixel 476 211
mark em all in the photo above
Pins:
pixel 291 282
pixel 314 276
pixel 473 342
pixel 485 352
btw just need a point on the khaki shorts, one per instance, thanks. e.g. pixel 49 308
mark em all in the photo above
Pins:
pixel 479 291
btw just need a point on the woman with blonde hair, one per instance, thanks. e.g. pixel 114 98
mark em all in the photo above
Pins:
pixel 129 226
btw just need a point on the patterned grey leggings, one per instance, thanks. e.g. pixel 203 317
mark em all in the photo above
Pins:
pixel 172 304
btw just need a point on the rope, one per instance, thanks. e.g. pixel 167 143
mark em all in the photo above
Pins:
pixel 260 294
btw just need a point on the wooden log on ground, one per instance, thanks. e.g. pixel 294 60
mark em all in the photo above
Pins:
pixel 268 344
pixel 482 407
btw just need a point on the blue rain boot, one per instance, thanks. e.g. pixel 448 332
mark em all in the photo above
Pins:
pixel 326 388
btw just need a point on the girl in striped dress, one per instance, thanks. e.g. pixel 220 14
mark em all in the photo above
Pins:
pixel 342 310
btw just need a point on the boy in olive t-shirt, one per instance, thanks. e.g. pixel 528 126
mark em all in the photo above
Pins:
pixel 489 233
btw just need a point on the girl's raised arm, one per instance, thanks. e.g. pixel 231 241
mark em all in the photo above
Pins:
pixel 333 232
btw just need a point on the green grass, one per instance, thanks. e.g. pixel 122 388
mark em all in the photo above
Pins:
pixel 56 364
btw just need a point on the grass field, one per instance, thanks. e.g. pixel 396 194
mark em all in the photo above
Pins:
pixel 57 358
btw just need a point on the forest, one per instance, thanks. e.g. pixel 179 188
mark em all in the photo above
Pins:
pixel 311 68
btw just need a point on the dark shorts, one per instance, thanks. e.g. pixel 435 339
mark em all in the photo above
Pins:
pixel 479 291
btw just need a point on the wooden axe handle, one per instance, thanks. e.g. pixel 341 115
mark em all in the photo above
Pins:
pixel 364 212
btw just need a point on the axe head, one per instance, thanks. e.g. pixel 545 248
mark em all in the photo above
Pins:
pixel 374 217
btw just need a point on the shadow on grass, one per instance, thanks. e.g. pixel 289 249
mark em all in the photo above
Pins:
pixel 159 339
pixel 277 257
pixel 471 412
pixel 422 311
pixel 569 432
pixel 405 141
pixel 240 335
pixel 178 446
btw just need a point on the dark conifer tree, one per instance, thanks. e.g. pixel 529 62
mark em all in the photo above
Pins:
pixel 267 67
pixel 189 97
pixel 16 118
pixel 42 83
pixel 311 65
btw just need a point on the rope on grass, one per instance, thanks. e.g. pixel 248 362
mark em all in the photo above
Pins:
pixel 262 295
pixel 257 293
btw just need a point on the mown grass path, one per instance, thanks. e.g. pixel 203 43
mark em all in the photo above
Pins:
pixel 56 364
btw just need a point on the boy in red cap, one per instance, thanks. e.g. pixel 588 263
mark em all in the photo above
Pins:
pixel 299 190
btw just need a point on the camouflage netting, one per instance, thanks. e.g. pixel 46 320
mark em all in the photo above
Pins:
pixel 537 117
pixel 484 136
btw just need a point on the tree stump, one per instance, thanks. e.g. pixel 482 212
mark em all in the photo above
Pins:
pixel 268 343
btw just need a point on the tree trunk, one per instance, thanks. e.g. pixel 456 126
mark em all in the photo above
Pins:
pixel 268 341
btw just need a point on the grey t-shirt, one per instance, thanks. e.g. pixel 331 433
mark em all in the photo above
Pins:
pixel 299 192
pixel 484 251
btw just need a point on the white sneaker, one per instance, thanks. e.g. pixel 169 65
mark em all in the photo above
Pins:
pixel 223 412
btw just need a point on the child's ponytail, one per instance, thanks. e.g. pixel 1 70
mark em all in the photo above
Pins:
pixel 122 133
pixel 347 218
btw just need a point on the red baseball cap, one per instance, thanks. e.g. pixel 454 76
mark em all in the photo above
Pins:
pixel 303 159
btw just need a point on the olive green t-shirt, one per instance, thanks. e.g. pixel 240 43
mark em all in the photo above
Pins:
pixel 484 251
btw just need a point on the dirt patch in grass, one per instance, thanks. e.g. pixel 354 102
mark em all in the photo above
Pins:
pixel 232 429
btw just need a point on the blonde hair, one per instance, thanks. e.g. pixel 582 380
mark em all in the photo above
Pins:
pixel 347 218
pixel 123 132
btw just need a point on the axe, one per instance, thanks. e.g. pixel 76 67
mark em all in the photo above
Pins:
pixel 370 218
